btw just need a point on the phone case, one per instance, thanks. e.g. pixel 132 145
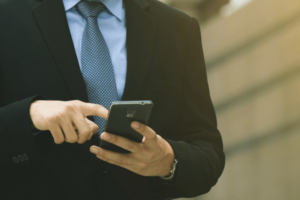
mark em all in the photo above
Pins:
pixel 120 116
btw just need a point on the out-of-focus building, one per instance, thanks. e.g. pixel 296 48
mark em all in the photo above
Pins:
pixel 252 52
pixel 200 9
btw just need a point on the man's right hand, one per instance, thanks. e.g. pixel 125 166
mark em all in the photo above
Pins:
pixel 61 118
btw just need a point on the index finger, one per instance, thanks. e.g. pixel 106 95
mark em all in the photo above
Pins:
pixel 90 109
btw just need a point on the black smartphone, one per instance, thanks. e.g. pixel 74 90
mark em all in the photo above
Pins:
pixel 120 116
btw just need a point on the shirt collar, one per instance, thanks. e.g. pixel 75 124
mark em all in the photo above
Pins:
pixel 114 6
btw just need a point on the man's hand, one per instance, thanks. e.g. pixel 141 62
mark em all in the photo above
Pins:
pixel 62 118
pixel 153 157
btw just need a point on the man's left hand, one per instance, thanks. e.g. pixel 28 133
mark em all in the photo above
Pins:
pixel 153 157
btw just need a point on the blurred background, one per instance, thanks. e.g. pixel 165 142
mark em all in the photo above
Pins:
pixel 252 52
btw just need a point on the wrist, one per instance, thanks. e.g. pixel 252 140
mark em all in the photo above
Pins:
pixel 172 171
pixel 167 161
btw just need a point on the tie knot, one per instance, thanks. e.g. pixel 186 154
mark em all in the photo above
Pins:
pixel 90 8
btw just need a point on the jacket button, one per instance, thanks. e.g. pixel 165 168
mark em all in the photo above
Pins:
pixel 103 168
pixel 21 159
pixel 15 159
pixel 26 158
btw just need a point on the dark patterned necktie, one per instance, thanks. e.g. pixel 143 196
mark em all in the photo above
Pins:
pixel 97 68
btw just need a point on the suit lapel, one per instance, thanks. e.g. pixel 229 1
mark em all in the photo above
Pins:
pixel 51 18
pixel 140 44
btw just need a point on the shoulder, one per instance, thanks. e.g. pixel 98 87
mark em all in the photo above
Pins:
pixel 6 9
pixel 158 8
pixel 12 7
pixel 170 18
pixel 10 3
pixel 5 4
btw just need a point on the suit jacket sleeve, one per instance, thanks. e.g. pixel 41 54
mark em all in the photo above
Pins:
pixel 16 139
pixel 199 148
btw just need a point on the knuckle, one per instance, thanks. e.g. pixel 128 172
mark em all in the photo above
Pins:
pixel 73 139
pixel 154 138
pixel 76 102
pixel 86 133
pixel 81 139
pixel 68 108
pixel 157 137
pixel 51 119
pixel 59 141
pixel 81 142
pixel 60 115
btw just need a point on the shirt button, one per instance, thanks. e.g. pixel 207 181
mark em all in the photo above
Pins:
pixel 21 159
pixel 15 159
pixel 25 156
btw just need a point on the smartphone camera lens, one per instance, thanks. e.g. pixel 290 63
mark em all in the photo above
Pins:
pixel 142 103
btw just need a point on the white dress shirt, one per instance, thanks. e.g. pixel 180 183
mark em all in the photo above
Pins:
pixel 112 25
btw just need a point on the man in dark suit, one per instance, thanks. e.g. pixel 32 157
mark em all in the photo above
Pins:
pixel 43 157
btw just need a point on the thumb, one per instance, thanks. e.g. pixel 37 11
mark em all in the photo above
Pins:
pixel 94 127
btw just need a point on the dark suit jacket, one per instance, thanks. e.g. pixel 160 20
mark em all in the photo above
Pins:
pixel 165 65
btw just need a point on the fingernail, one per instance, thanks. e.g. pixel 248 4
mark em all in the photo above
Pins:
pixel 136 125
pixel 106 136
pixel 94 150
